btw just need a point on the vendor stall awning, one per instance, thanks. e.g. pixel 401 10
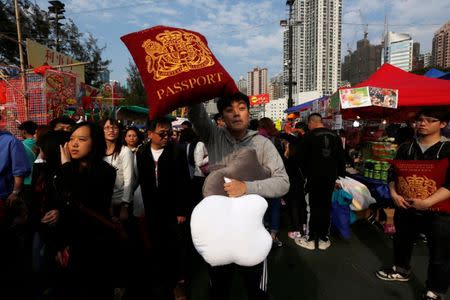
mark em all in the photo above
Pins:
pixel 303 106
pixel 434 73
pixel 135 108
pixel 414 92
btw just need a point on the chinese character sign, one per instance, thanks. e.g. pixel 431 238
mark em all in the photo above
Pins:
pixel 39 55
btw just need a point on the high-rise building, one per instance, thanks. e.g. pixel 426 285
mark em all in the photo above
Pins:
pixel 276 87
pixel 361 63
pixel 275 109
pixel 425 60
pixel 441 47
pixel 316 60
pixel 257 81
pixel 242 85
pixel 416 65
pixel 398 50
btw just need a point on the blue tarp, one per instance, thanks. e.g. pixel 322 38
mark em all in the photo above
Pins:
pixel 435 73
pixel 303 105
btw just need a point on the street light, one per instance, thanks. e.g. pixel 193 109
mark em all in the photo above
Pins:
pixel 289 24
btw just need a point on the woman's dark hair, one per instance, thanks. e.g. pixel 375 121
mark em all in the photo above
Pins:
pixel 49 143
pixel 98 148
pixel 227 100
pixel 188 135
pixel 268 125
pixel 138 134
pixel 119 141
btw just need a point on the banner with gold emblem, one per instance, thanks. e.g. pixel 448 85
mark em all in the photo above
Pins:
pixel 177 68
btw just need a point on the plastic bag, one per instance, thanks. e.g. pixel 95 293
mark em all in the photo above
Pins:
pixel 340 212
pixel 362 198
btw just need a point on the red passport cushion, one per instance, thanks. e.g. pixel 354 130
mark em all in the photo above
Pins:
pixel 177 68
pixel 420 179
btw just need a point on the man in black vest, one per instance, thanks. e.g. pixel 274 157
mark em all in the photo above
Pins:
pixel 164 179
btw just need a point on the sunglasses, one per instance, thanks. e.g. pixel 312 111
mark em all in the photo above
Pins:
pixel 163 134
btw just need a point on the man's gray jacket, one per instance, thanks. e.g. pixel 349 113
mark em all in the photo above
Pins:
pixel 221 144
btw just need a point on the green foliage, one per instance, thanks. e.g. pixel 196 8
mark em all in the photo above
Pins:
pixel 135 92
pixel 35 25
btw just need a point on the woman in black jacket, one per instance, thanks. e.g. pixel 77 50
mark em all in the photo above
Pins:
pixel 85 184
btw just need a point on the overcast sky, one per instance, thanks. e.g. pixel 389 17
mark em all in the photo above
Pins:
pixel 245 34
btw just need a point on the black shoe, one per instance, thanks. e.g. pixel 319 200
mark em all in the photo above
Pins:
pixel 391 274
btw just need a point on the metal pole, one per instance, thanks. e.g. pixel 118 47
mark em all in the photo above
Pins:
pixel 22 66
pixel 290 101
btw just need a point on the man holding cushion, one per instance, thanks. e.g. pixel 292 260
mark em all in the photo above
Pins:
pixel 221 143
pixel 420 188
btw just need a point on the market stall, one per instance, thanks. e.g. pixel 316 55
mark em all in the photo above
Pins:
pixel 414 92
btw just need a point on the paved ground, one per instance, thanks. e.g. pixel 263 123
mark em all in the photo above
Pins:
pixel 344 271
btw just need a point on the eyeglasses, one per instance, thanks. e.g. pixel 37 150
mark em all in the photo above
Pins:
pixel 427 120
pixel 109 128
pixel 163 134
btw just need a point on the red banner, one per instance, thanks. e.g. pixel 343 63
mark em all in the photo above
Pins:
pixel 259 99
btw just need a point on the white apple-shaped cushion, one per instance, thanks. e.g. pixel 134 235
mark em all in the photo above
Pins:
pixel 230 230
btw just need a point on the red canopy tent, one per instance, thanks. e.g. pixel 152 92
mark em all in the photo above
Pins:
pixel 414 92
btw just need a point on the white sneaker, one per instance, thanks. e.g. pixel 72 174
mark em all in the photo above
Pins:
pixel 324 244
pixel 306 243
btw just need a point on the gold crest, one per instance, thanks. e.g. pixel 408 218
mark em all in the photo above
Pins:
pixel 416 187
pixel 175 52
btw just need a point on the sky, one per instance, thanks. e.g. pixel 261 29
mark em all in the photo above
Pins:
pixel 244 34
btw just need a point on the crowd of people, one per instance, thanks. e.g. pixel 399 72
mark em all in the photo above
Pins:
pixel 90 202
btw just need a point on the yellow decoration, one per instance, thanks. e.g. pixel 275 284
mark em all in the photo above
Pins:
pixel 416 187
pixel 178 52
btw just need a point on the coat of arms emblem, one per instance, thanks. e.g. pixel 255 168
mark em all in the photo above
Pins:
pixel 175 52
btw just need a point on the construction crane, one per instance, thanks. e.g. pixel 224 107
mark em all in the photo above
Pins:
pixel 365 25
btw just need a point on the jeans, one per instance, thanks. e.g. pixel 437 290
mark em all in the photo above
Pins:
pixel 272 216
pixel 436 227
pixel 297 207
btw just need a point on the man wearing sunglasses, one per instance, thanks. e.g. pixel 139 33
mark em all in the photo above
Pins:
pixel 163 175
pixel 413 215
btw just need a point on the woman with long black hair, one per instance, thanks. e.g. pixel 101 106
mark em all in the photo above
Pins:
pixel 85 183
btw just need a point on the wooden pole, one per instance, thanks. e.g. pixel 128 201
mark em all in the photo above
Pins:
pixel 22 67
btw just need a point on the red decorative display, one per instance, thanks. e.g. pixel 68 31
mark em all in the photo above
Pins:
pixel 419 179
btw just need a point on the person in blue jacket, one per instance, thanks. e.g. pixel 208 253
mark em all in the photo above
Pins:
pixel 14 167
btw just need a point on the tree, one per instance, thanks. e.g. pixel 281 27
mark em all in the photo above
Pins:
pixel 135 92
pixel 8 48
pixel 96 66
pixel 35 24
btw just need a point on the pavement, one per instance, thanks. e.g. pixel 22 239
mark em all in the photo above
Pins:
pixel 343 271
